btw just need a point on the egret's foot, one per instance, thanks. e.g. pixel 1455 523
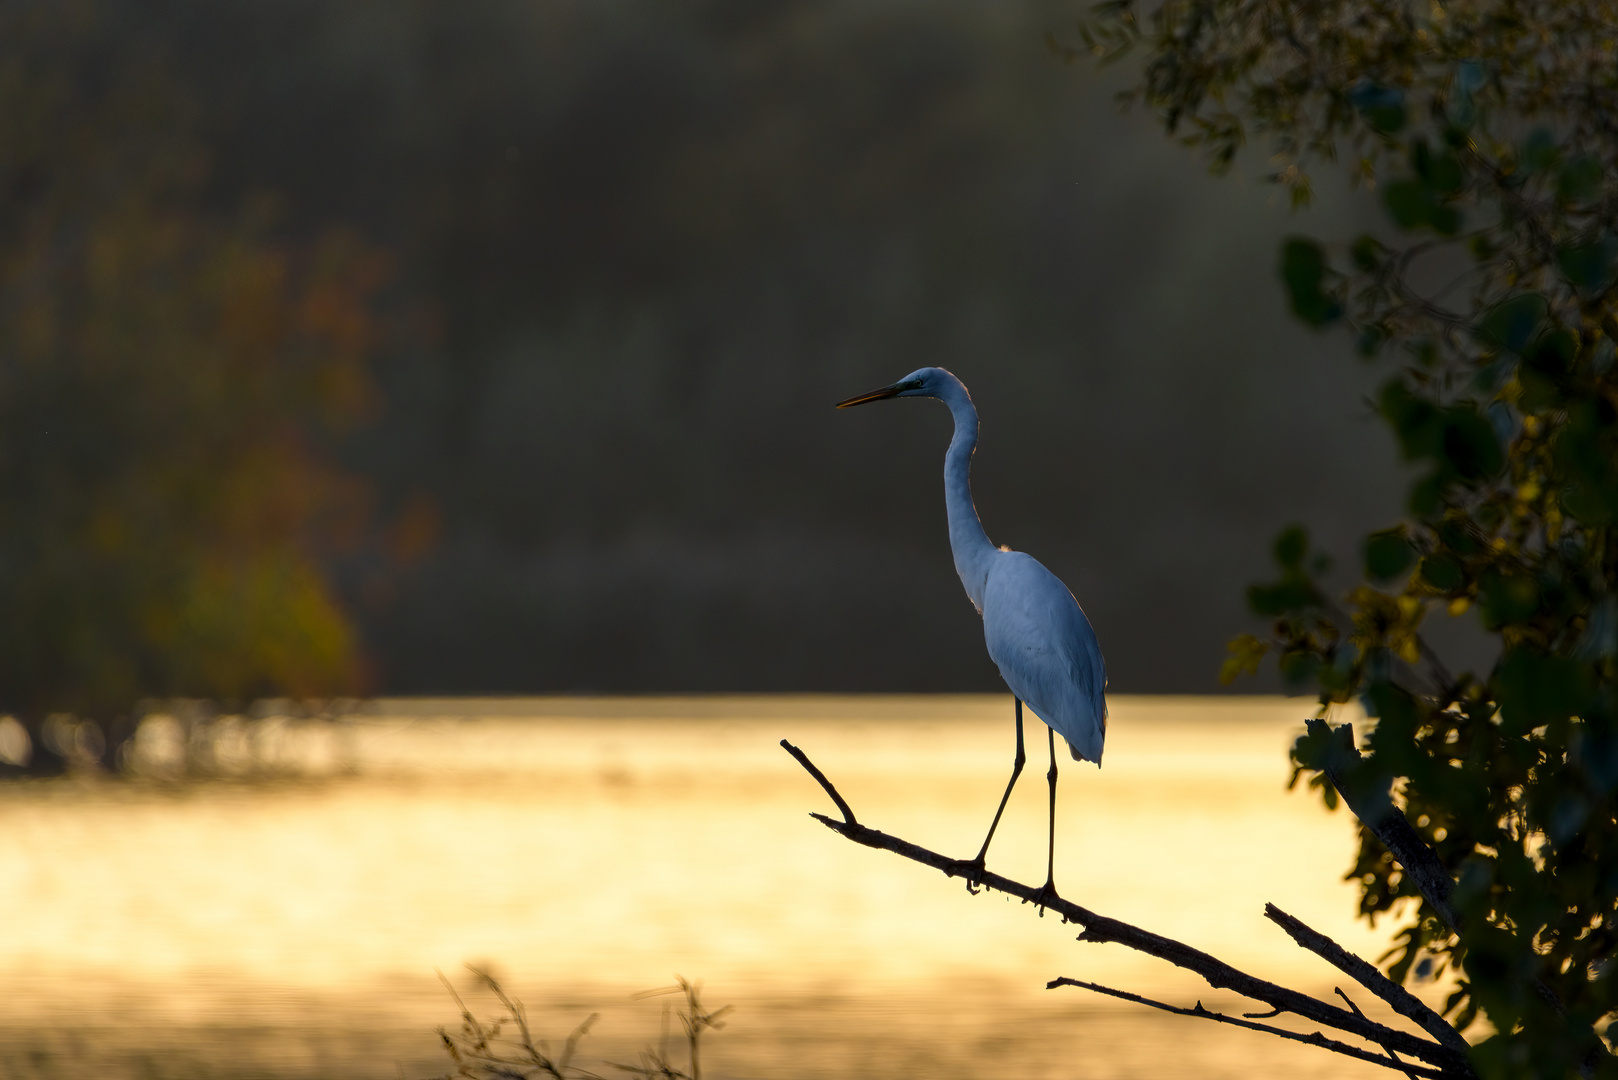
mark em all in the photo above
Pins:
pixel 970 869
pixel 1045 896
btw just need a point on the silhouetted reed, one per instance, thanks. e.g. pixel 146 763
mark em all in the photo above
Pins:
pixel 484 1051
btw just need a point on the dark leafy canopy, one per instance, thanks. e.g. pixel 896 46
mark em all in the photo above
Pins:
pixel 166 376
pixel 1489 133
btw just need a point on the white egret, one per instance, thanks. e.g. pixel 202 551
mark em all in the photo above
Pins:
pixel 1036 632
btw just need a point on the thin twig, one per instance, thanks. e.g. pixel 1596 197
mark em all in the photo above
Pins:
pixel 1314 1038
pixel 1366 974
pixel 1391 1055
pixel 820 777
pixel 1100 928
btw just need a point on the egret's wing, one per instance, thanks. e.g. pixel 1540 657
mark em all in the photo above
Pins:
pixel 1046 651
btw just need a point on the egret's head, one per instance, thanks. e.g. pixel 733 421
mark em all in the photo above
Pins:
pixel 923 382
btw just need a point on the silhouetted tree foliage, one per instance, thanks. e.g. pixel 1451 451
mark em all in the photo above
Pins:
pixel 1489 133
pixel 169 379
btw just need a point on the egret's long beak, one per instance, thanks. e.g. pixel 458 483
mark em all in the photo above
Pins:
pixel 891 390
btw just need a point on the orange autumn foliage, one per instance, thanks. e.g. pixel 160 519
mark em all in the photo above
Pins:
pixel 171 378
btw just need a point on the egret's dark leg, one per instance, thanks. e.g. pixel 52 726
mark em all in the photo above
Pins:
pixel 972 869
pixel 1048 890
pixel 1016 771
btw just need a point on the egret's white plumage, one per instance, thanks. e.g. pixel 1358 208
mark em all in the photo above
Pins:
pixel 1036 632
pixel 1043 645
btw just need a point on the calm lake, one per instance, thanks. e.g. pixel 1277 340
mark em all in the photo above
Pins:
pixel 584 849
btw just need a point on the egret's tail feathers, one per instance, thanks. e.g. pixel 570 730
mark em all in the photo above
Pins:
pixel 1074 750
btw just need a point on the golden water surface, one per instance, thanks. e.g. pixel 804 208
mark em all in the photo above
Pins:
pixel 583 849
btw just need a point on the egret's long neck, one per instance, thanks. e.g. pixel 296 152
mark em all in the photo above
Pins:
pixel 967 541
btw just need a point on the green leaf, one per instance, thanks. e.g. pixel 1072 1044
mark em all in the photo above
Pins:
pixel 1440 172
pixel 1396 713
pixel 1552 353
pixel 1291 545
pixel 1506 598
pixel 1470 446
pixel 1298 669
pixel 1337 678
pixel 1462 108
pixel 1382 107
pixel 1367 253
pixel 1442 571
pixel 1410 203
pixel 1538 391
pixel 1539 150
pixel 1422 201
pixel 1567 817
pixel 1582 446
pixel 1590 265
pixel 1388 554
pixel 1418 423
pixel 1579 179
pixel 1590 504
pixel 1312 749
pixel 1511 323
pixel 1424 495
pixel 1246 652
pixel 1447 177
pixel 1290 594
pixel 1596 754
pixel 1303 270
pixel 1534 688
pixel 1459 539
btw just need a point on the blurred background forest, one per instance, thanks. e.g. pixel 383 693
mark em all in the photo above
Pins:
pixel 490 347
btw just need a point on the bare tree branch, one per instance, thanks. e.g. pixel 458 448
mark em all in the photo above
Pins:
pixel 1391 1055
pixel 1372 803
pixel 820 778
pixel 1101 928
pixel 1370 800
pixel 1366 974
pixel 1373 806
pixel 1314 1038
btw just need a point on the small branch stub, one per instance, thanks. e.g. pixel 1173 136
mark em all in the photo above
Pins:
pixel 820 778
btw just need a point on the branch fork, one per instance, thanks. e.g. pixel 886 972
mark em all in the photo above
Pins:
pixel 1442 1056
